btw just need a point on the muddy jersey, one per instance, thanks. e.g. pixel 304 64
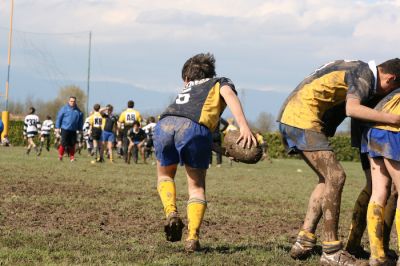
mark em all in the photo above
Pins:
pixel 129 116
pixel 389 104
pixel 96 120
pixel 47 126
pixel 31 124
pixel 201 102
pixel 318 102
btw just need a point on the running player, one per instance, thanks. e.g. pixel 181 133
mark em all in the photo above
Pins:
pixel 183 135
pixel 109 127
pixel 45 133
pixel 310 115
pixel 125 123
pixel 96 122
pixel 31 129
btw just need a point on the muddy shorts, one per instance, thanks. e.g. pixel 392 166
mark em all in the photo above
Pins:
pixel 384 143
pixel 296 139
pixel 180 140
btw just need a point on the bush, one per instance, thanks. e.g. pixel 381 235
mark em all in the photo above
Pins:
pixel 341 145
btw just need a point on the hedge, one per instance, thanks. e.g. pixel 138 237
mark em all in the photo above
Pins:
pixel 341 143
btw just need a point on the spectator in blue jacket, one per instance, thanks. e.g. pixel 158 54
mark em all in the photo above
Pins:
pixel 69 121
pixel 1 128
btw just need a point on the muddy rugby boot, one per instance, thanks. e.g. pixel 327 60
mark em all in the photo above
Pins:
pixel 359 252
pixel 173 227
pixel 303 248
pixel 192 245
pixel 382 262
pixel 340 257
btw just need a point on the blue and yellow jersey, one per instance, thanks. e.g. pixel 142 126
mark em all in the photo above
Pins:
pixel 129 116
pixel 96 120
pixel 201 102
pixel 389 104
pixel 318 102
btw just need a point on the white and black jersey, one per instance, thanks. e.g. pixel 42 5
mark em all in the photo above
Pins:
pixel 31 125
pixel 85 129
pixel 47 126
pixel 149 129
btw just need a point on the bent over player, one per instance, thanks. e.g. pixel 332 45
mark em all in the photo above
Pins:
pixel 383 143
pixel 183 135
pixel 310 115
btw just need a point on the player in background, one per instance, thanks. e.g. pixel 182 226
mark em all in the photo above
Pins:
pixel 125 123
pixel 86 136
pixel 264 146
pixel 109 127
pixel 217 136
pixel 183 136
pixel 31 129
pixel 149 129
pixel 310 115
pixel 45 133
pixel 137 138
pixel 96 123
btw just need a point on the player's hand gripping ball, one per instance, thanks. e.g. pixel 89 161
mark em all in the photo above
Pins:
pixel 237 152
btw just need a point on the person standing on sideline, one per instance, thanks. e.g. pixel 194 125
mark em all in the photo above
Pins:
pixel 69 120
pixel 1 128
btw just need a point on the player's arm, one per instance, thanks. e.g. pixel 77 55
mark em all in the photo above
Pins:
pixel 355 109
pixel 236 108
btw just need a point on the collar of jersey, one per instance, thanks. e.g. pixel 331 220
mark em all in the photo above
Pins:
pixel 196 82
pixel 372 66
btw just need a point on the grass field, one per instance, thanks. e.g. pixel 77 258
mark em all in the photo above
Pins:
pixel 77 213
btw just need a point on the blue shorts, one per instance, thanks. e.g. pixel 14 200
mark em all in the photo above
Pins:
pixel 296 139
pixel 180 140
pixel 384 143
pixel 107 136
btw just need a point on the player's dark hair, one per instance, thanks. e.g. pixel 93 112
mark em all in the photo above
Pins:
pixel 32 110
pixel 392 66
pixel 96 107
pixel 136 123
pixel 152 119
pixel 109 106
pixel 48 117
pixel 131 104
pixel 198 67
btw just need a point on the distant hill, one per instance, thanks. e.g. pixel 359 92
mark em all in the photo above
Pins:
pixel 146 101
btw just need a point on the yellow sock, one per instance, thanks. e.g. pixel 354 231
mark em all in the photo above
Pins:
pixel 397 221
pixel 167 191
pixel 195 213
pixel 306 239
pixel 305 233
pixel 330 247
pixel 375 230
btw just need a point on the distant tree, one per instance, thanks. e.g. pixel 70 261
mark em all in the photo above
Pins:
pixel 265 122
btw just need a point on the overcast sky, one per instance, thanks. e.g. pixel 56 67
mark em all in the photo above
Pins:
pixel 259 44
